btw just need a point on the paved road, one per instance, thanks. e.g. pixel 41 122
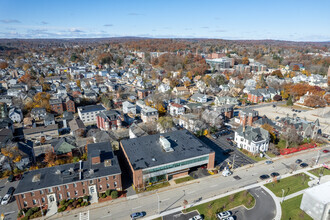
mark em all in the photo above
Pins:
pixel 264 208
pixel 173 196
pixel 9 210
pixel 180 216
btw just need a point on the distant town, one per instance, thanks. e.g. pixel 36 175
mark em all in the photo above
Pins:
pixel 123 128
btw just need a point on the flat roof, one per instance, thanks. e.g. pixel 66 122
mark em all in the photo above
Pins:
pixel 91 108
pixel 145 152
pixel 49 177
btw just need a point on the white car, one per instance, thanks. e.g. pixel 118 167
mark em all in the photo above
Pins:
pixel 229 218
pixel 196 217
pixel 224 215
pixel 5 199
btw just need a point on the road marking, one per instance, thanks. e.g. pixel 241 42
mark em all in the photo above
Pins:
pixel 9 212
pixel 106 216
pixel 166 199
pixel 214 185
pixel 257 195
pixel 137 207
pixel 191 192
pixel 263 193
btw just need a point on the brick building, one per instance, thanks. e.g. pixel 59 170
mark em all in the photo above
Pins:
pixel 70 105
pixel 165 156
pixel 45 187
pixel 56 106
pixel 108 120
pixel 247 117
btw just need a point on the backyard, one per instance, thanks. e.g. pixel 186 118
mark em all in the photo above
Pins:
pixel 210 209
pixel 291 209
pixel 290 184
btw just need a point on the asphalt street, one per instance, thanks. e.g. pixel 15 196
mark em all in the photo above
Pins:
pixel 173 196
pixel 264 208
pixel 9 210
pixel 180 216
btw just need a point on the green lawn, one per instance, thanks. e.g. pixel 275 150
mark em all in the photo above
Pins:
pixel 184 179
pixel 154 187
pixel 210 209
pixel 317 171
pixel 290 184
pixel 159 218
pixel 291 209
pixel 271 154
pixel 255 158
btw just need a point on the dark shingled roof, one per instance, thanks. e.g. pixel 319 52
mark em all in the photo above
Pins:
pixel 142 150
pixel 49 178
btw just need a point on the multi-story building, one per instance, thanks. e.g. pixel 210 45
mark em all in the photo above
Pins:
pixel 149 114
pixel 38 113
pixel 128 107
pixel 88 113
pixel 248 116
pixel 254 140
pixel 70 105
pixel 176 109
pixel 56 106
pixel 165 156
pixel 43 131
pixel 108 120
pixel 48 186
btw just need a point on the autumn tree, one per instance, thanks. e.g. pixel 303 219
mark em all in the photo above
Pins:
pixel 277 73
pixel 50 158
pixel 26 66
pixel 270 129
pixel 12 154
pixel 245 61
pixel 315 101
pixel 25 78
pixel 41 100
pixel 3 65
pixel 295 68
pixel 261 83
pixel 166 123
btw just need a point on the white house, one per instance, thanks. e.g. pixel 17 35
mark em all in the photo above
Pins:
pixel 129 108
pixel 197 97
pixel 15 114
pixel 88 113
pixel 254 140
pixel 163 88
pixel 176 109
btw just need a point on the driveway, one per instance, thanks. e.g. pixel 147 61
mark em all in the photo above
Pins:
pixel 180 216
pixel 221 144
pixel 9 210
pixel 264 208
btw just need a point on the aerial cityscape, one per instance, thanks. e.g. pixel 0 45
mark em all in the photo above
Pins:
pixel 164 110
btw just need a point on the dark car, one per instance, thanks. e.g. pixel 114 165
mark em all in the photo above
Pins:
pixel 227 151
pixel 298 161
pixel 11 190
pixel 303 165
pixel 137 215
pixel 263 177
pixel 274 174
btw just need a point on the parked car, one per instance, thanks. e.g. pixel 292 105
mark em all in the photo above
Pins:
pixel 196 217
pixel 227 151
pixel 274 174
pixel 214 136
pixel 11 178
pixel 224 215
pixel 277 117
pixel 5 199
pixel 269 162
pixel 11 190
pixel 303 165
pixel 137 215
pixel 229 218
pixel 263 177
pixel 298 161
pixel 325 151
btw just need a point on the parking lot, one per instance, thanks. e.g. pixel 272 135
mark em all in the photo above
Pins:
pixel 180 216
pixel 220 144
pixel 9 210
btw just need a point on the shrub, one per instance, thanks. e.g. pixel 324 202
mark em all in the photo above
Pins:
pixel 35 209
pixel 29 212
pixel 104 195
pixel 114 194
pixel 20 213
pixel 63 202
pixel 44 211
pixel 108 192
pixel 80 200
pixel 25 218
pixel 86 197
pixel 36 215
pixel 70 201
pixel 75 203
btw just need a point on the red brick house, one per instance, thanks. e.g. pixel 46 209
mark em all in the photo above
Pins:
pixel 108 120
pixel 70 105
pixel 56 106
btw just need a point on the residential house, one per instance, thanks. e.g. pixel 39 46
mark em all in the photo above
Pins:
pixel 197 97
pixel 143 93
pixel 128 107
pixel 77 127
pixel 43 131
pixel 67 116
pixel 254 140
pixel 181 91
pixel 50 185
pixel 56 106
pixel 191 122
pixel 38 113
pixel 260 95
pixel 175 109
pixel 49 119
pixel 136 131
pixel 88 113
pixel 164 88
pixel 223 100
pixel 70 105
pixel 149 114
pixel 15 114
pixel 62 148
pixel 108 120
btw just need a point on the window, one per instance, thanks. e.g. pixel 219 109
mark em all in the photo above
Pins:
pixel 115 184
pixel 50 190
pixel 32 193
pixel 43 199
pixel 67 186
pixel 60 196
pixel 108 186
pixel 58 188
pixel 91 182
pixel 23 196
pixel 41 192
pixel 68 194
pixel 25 203
pixel 107 178
pixel 75 192
pixel 84 191
pixel 114 177
pixel 99 180
pixel 82 183
pixel 100 187
pixel 34 201
pixel 74 185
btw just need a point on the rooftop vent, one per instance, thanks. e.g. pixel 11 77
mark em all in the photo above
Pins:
pixel 165 144
pixel 36 178
pixel 91 171
pixel 153 159
pixel 58 172
pixel 71 170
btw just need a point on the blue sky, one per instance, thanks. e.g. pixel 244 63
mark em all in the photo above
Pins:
pixel 281 19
